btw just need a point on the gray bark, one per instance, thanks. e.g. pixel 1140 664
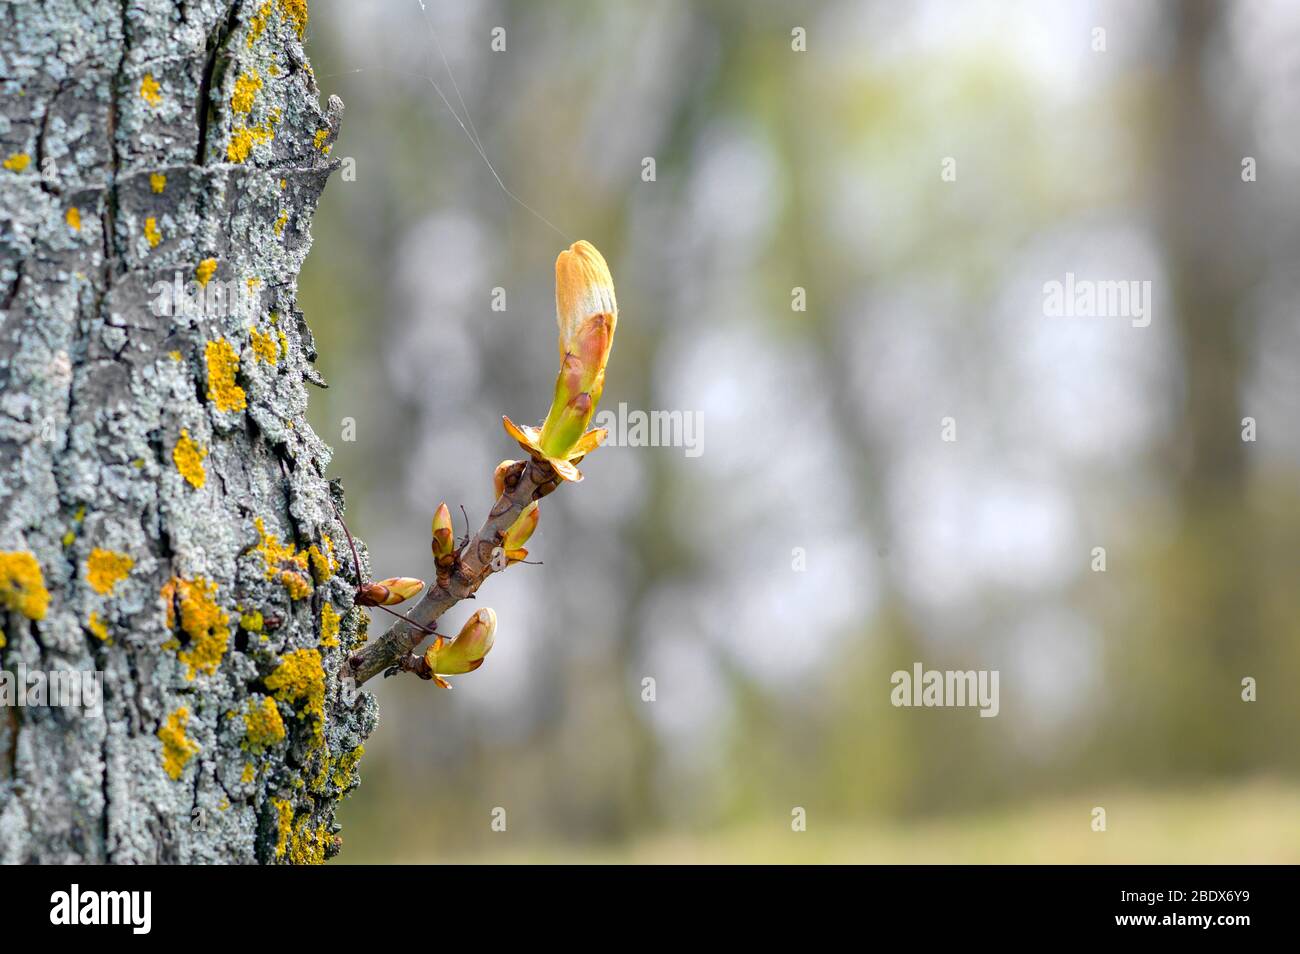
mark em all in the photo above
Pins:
pixel 99 387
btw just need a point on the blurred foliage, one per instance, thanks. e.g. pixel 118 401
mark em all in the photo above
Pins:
pixel 821 170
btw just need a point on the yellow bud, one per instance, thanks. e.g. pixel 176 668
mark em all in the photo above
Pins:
pixel 390 592
pixel 499 476
pixel 464 653
pixel 400 589
pixel 522 528
pixel 444 537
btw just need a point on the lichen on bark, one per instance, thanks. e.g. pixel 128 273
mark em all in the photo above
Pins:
pixel 162 161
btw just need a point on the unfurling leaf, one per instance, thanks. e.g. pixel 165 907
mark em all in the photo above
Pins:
pixel 587 314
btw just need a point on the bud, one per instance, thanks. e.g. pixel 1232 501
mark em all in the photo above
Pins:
pixel 444 537
pixel 499 476
pixel 464 653
pixel 587 314
pixel 519 532
pixel 390 592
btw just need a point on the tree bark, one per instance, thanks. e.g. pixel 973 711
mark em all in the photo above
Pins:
pixel 158 478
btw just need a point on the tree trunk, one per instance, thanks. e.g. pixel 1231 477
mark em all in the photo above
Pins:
pixel 165 520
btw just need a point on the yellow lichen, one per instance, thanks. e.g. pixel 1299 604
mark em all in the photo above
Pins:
pixel 263 726
pixel 174 355
pixel 284 823
pixel 300 678
pixel 150 91
pixel 319 140
pixel 188 457
pixel 246 87
pixel 98 628
pixel 69 538
pixel 257 22
pixel 249 773
pixel 157 182
pixel 307 844
pixel 329 625
pixel 205 270
pixel 264 347
pixel 322 567
pixel 177 747
pixel 244 138
pixel 151 232
pixel 251 621
pixel 73 218
pixel 17 162
pixel 347 764
pixel 280 222
pixel 298 586
pixel 295 10
pixel 22 585
pixel 276 554
pixel 202 620
pixel 105 568
pixel 223 365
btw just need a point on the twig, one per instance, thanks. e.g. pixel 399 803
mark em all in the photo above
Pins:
pixel 524 482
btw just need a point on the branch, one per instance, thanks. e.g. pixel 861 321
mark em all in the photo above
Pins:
pixel 524 482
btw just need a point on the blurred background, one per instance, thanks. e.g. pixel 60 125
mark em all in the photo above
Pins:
pixel 827 535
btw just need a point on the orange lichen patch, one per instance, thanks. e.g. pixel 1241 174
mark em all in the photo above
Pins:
pixel 298 585
pixel 264 346
pixel 22 585
pixel 223 365
pixel 263 727
pixel 151 231
pixel 17 162
pixel 188 457
pixel 244 138
pixel 246 87
pixel 329 625
pixel 319 140
pixel 105 568
pixel 300 679
pixel 295 10
pixel 150 91
pixel 98 628
pixel 157 182
pixel 73 218
pixel 205 270
pixel 177 747
pixel 204 623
